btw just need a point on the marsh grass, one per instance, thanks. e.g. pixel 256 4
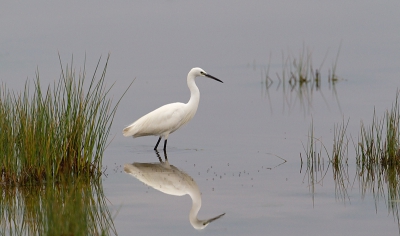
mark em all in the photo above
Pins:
pixel 73 207
pixel 299 80
pixel 317 170
pixel 339 160
pixel 315 164
pixel 48 134
pixel 379 144
pixel 378 158
pixel 332 76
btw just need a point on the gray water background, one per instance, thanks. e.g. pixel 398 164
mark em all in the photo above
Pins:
pixel 230 147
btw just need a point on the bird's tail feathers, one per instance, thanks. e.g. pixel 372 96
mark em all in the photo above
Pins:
pixel 129 131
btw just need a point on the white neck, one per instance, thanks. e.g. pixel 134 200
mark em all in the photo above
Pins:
pixel 194 92
pixel 196 205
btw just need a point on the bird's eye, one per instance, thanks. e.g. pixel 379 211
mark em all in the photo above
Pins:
pixel 202 72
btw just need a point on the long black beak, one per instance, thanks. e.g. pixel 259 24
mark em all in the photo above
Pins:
pixel 212 77
pixel 212 219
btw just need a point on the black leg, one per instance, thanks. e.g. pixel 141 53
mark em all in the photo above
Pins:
pixel 159 139
pixel 165 145
pixel 158 155
pixel 165 155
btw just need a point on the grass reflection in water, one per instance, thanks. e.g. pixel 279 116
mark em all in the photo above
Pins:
pixel 75 207
pixel 299 81
pixel 377 159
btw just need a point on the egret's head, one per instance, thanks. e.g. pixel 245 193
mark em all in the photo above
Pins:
pixel 200 72
pixel 201 224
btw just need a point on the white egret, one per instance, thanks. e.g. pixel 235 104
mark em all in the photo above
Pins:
pixel 168 118
pixel 170 180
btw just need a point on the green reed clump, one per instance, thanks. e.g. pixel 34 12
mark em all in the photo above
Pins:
pixel 378 158
pixel 315 161
pixel 59 131
pixel 340 144
pixel 71 207
pixel 380 143
pixel 339 160
pixel 299 71
pixel 301 81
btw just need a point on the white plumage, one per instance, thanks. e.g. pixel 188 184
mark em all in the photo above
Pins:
pixel 168 118
pixel 173 181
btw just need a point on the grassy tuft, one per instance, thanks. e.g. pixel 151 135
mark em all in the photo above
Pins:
pixel 315 162
pixel 339 160
pixel 300 80
pixel 316 170
pixel 378 158
pixel 48 134
pixel 379 144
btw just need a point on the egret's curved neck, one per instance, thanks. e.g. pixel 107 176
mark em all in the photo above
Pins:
pixel 194 193
pixel 196 205
pixel 194 91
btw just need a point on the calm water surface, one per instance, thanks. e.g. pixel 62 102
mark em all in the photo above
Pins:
pixel 235 146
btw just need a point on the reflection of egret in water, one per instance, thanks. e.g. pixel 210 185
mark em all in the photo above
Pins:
pixel 170 180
